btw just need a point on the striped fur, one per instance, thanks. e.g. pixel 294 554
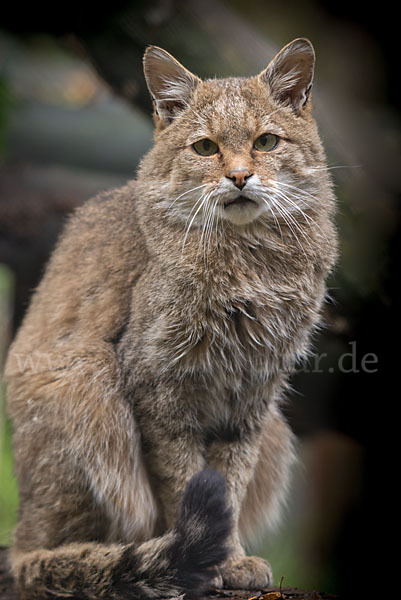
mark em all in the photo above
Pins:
pixel 160 342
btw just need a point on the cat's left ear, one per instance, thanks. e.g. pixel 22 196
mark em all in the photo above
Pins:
pixel 290 74
pixel 170 84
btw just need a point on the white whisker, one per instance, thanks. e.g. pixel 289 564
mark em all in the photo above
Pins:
pixel 303 193
pixel 191 190
pixel 294 205
pixel 277 222
pixel 198 187
pixel 308 218
pixel 212 220
pixel 332 167
pixel 201 201
pixel 291 222
pixel 207 229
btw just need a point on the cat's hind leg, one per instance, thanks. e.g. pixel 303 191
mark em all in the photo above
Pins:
pixel 181 561
pixel 268 489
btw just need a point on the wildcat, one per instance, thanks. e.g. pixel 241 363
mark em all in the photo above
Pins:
pixel 157 348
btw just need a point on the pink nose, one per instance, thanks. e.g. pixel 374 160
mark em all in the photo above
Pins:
pixel 239 177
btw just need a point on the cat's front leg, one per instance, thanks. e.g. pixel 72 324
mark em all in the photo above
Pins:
pixel 236 460
pixel 172 445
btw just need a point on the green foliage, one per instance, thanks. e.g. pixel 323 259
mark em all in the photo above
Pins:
pixel 8 487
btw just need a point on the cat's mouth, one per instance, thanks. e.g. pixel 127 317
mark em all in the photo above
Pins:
pixel 241 200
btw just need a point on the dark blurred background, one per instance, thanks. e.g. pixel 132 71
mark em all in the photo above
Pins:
pixel 75 119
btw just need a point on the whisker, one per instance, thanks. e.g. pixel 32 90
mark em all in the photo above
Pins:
pixel 206 211
pixel 200 201
pixel 303 193
pixel 277 222
pixel 218 221
pixel 330 168
pixel 308 218
pixel 206 234
pixel 198 187
pixel 212 220
pixel 295 223
pixel 290 222
pixel 283 196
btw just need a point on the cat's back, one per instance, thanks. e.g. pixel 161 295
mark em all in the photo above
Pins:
pixel 85 290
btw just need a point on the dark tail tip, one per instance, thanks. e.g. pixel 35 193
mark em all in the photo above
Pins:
pixel 203 527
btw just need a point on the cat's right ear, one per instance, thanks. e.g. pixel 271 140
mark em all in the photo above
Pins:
pixel 170 84
pixel 290 74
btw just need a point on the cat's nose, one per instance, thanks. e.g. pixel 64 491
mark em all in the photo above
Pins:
pixel 239 177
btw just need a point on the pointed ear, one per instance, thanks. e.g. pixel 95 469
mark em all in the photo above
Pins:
pixel 290 74
pixel 170 84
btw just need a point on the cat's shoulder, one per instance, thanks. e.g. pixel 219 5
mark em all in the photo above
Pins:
pixel 87 281
pixel 110 208
pixel 100 237
pixel 107 220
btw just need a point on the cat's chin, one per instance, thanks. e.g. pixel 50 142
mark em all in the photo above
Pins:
pixel 241 211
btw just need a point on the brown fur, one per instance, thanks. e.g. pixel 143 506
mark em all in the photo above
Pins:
pixel 161 337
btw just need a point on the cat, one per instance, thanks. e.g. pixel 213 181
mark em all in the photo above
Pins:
pixel 146 381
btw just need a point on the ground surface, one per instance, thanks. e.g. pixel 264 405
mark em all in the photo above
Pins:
pixel 8 592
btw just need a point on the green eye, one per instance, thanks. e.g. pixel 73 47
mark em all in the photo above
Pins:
pixel 205 147
pixel 266 142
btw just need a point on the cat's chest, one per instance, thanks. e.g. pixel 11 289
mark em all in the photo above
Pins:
pixel 243 321
pixel 226 332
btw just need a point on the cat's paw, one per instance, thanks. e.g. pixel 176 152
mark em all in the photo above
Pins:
pixel 217 582
pixel 246 573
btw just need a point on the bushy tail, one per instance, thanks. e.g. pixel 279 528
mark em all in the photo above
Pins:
pixel 181 561
pixel 202 531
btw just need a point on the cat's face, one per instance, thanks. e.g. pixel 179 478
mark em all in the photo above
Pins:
pixel 237 150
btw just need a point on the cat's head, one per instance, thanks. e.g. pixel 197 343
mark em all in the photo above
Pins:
pixel 237 149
